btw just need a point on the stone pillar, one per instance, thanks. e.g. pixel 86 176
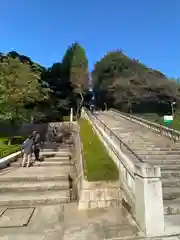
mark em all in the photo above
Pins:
pixel 71 115
pixel 149 211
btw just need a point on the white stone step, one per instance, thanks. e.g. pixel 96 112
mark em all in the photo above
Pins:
pixel 172 207
pixel 45 163
pixel 170 167
pixel 53 153
pixel 170 173
pixel 171 182
pixel 34 198
pixel 170 193
pixel 34 186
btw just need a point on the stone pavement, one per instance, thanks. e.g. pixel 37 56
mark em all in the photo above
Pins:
pixel 65 221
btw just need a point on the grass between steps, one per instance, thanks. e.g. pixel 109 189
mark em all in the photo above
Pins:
pixel 98 165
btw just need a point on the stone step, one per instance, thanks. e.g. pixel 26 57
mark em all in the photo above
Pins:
pixel 41 178
pixel 153 152
pixel 172 207
pixel 169 167
pixel 146 146
pixel 34 198
pixel 169 174
pixel 56 150
pixel 155 160
pixel 53 154
pixel 45 163
pixel 50 158
pixel 167 162
pixel 57 159
pixel 34 186
pixel 171 182
pixel 170 193
pixel 165 157
pixel 156 149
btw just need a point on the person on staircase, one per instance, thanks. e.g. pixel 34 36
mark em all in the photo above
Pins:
pixel 36 144
pixel 27 150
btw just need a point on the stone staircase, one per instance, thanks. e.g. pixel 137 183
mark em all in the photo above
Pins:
pixel 45 182
pixel 154 149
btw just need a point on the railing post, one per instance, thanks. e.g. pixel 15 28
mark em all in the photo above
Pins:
pixel 149 211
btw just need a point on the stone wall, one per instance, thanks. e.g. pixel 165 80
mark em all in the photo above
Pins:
pixel 23 129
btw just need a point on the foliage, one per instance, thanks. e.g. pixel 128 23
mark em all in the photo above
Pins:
pixel 7 149
pixel 98 165
pixel 75 66
pixel 121 82
pixel 19 87
pixel 29 91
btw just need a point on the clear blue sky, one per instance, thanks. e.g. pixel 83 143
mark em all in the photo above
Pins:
pixel 42 29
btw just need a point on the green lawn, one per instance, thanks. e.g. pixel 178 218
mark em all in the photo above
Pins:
pixel 98 165
pixel 159 119
pixel 6 149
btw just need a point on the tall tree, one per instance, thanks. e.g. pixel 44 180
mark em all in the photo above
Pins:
pixel 19 87
pixel 122 82
pixel 75 68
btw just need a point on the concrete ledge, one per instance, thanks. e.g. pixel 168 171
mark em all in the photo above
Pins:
pixel 10 158
pixel 100 195
pixel 145 170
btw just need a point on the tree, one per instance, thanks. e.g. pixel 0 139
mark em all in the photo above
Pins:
pixel 19 86
pixel 123 82
pixel 75 69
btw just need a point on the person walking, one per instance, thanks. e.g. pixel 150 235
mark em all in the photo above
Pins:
pixel 27 149
pixel 36 144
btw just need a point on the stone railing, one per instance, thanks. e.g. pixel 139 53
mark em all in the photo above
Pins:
pixel 140 182
pixel 164 131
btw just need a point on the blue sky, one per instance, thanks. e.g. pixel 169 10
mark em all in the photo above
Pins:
pixel 42 29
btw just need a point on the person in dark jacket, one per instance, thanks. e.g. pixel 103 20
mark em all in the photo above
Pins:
pixel 36 143
pixel 27 149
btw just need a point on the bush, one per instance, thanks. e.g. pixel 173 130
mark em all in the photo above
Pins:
pixel 98 165
pixel 8 150
pixel 18 140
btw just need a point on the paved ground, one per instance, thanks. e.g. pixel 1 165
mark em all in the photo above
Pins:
pixel 66 222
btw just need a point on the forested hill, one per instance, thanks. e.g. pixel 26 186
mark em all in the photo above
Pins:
pixel 129 85
pixel 28 90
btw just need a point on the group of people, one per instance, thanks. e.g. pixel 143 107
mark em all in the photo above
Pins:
pixel 30 145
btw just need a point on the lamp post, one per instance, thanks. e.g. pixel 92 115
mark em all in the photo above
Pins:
pixel 105 105
pixel 172 107
pixel 80 104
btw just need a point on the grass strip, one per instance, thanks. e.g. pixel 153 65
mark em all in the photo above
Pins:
pixel 98 164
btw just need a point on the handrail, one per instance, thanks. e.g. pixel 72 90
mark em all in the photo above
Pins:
pixel 171 133
pixel 121 142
